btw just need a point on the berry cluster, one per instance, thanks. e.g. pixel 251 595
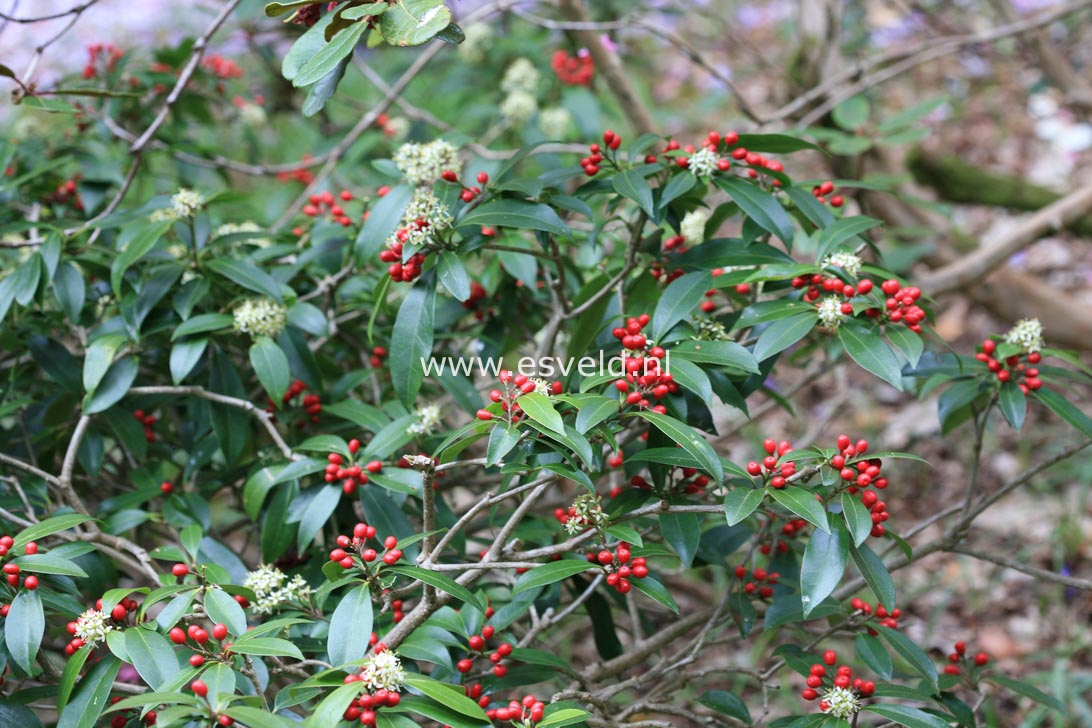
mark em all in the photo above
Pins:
pixel 101 57
pixel 379 353
pixel 861 475
pixel 687 480
pixel 823 192
pixel 311 404
pixel 773 470
pixel 620 566
pixel 404 272
pixel 515 385
pixel 761 581
pixel 148 420
pixel 1012 368
pixel 364 708
pixel 960 657
pixel 901 305
pixel 93 625
pixel 201 637
pixel 611 142
pixel 477 294
pixel 477 645
pixel 842 695
pixel 641 360
pixel 358 544
pixel 524 713
pixel 817 283
pixel 325 203
pixel 300 174
pixel 469 194
pixel 575 70
pixel 791 529
pixel 352 476
pixel 887 619
pixel 66 193
pixel 12 570
pixel 222 68
pixel 122 720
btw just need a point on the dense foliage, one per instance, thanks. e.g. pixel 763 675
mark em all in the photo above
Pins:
pixel 242 465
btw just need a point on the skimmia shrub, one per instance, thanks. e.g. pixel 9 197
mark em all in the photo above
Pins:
pixel 239 490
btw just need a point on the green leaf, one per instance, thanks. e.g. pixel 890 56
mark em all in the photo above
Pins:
pixel 272 10
pixel 383 219
pixel 742 502
pixel 852 113
pixel 594 410
pixel 70 290
pixel 858 518
pixel 908 116
pixel 549 573
pixel 316 513
pixel 802 502
pixel 99 356
pixel 119 377
pixel 632 185
pixel 135 242
pixel 501 441
pixel 441 582
pixel 49 564
pixel 449 695
pixel 517 214
pixel 907 716
pixel 678 300
pixel 728 703
pixel 721 353
pixel 823 566
pixel 761 207
pixel 874 655
pixel 914 656
pixel 13 714
pixel 562 717
pixel 654 589
pixel 184 357
pixel 267 646
pixel 453 275
pixel 783 333
pixel 1014 405
pixel 152 655
pixel 48 527
pixel 413 22
pixel 329 56
pixel 72 670
pixel 411 340
pixel 690 440
pixel 540 409
pixel 875 574
pixel 271 365
pixel 91 696
pixel 683 532
pixel 223 609
pixel 907 342
pixel 248 275
pixel 843 230
pixel 1028 691
pixel 350 626
pixel 258 717
pixel 203 323
pixel 775 143
pixel 24 627
pixel 870 352
pixel 691 377
pixel 678 186
pixel 330 711
pixel 1064 409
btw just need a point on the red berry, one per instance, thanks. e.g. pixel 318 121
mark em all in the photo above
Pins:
pixel 830 657
pixel 219 631
pixel 980 659
pixel 199 688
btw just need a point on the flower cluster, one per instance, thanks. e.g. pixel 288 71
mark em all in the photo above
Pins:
pixel 184 205
pixel 428 417
pixel 692 227
pixel 585 512
pixel 1027 334
pixel 832 313
pixel 842 696
pixel 233 228
pixel 273 588
pixel 555 122
pixel 704 162
pixel 477 40
pixel 424 163
pixel 424 217
pixel 848 262
pixel 92 626
pixel 260 317
pixel 575 70
pixel 383 670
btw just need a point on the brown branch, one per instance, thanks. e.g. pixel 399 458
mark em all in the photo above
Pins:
pixel 976 265
pixel 1083 584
